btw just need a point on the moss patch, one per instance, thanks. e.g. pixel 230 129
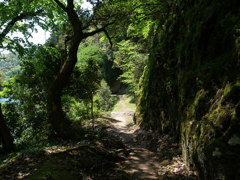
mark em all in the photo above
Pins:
pixel 190 88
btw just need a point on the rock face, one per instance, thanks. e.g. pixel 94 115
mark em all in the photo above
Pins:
pixel 191 86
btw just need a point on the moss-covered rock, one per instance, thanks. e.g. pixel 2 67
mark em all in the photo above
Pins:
pixel 190 88
pixel 211 144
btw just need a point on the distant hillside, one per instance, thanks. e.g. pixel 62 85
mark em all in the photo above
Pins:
pixel 9 63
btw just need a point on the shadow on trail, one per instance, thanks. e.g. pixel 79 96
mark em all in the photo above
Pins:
pixel 121 131
pixel 110 119
pixel 97 158
pixel 150 156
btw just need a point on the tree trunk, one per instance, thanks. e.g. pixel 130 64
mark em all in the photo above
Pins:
pixel 92 115
pixel 56 115
pixel 60 124
pixel 7 140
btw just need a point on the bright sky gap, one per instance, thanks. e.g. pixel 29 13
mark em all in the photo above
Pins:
pixel 41 36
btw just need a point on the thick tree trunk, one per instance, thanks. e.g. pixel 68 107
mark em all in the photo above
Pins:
pixel 7 140
pixel 60 124
pixel 56 115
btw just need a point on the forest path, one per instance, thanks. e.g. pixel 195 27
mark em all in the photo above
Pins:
pixel 141 163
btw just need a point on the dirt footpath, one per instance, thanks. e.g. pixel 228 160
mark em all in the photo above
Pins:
pixel 160 162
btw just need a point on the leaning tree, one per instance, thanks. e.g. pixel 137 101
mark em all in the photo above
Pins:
pixel 82 25
pixel 65 16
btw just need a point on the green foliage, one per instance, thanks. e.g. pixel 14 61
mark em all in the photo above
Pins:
pixel 9 64
pixel 136 19
pixel 134 37
pixel 11 11
pixel 90 51
pixel 190 88
pixel 27 89
pixel 2 78
pixel 131 59
pixel 83 86
pixel 85 80
pixel 39 65
pixel 86 83
pixel 104 99
pixel 77 110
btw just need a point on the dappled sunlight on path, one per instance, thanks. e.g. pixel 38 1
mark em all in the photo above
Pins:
pixel 141 163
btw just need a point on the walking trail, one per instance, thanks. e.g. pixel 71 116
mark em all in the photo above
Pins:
pixel 141 163
pixel 145 155
pixel 151 156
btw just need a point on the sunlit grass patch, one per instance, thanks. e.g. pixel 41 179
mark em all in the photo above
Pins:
pixel 9 159
pixel 117 107
pixel 130 103
pixel 127 100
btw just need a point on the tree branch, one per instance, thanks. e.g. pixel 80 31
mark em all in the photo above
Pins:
pixel 72 15
pixel 61 5
pixel 102 29
pixel 109 38
pixel 22 16
pixel 70 4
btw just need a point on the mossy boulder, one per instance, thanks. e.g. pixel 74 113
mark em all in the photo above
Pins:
pixel 212 144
